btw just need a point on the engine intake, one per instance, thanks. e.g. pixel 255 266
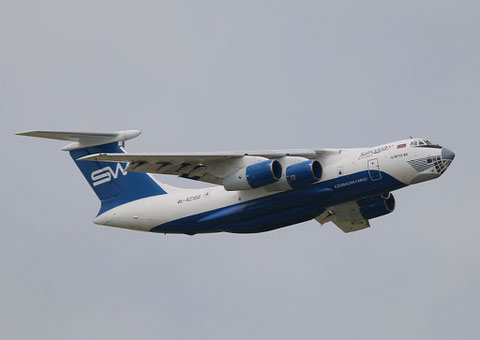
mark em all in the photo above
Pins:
pixel 254 176
pixel 377 206
pixel 304 173
pixel 370 201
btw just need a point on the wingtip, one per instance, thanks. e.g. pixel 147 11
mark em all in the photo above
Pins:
pixel 24 133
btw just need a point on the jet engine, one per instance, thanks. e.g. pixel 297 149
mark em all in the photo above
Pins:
pixel 377 205
pixel 254 176
pixel 303 173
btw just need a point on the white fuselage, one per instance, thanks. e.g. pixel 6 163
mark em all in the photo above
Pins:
pixel 382 168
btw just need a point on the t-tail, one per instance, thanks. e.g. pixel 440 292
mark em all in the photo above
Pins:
pixel 112 184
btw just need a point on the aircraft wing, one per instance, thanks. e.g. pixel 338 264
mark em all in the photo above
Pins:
pixel 210 167
pixel 346 216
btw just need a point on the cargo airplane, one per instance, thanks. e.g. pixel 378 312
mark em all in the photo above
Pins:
pixel 255 191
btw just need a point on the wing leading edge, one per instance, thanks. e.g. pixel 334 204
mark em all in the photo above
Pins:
pixel 210 167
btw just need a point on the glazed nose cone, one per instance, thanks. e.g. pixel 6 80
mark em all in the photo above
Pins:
pixel 448 154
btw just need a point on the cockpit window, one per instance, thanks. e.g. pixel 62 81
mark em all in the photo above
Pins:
pixel 424 143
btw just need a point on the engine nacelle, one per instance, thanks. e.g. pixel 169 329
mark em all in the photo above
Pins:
pixel 254 176
pixel 370 201
pixel 303 173
pixel 377 206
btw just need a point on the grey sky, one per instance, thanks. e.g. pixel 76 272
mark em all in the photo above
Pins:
pixel 221 75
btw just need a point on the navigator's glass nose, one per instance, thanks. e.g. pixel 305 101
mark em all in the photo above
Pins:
pixel 447 154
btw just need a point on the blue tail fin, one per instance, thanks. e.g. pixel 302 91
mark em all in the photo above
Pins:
pixel 112 184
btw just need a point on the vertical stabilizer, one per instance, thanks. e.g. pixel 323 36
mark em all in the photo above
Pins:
pixel 110 182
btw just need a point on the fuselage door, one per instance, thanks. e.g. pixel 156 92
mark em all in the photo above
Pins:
pixel 374 169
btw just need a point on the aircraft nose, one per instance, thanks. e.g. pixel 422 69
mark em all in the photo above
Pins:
pixel 448 154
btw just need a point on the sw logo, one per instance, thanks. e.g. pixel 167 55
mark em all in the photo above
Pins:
pixel 105 174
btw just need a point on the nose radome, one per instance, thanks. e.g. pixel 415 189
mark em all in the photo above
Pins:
pixel 448 154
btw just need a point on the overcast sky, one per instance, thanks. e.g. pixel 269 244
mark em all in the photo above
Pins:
pixel 225 75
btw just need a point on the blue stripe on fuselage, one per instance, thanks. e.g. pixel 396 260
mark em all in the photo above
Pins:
pixel 284 208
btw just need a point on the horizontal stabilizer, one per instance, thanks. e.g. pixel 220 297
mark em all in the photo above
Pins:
pixel 83 139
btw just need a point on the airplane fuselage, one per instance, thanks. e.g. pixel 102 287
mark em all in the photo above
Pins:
pixel 349 175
